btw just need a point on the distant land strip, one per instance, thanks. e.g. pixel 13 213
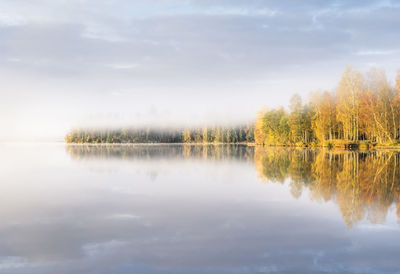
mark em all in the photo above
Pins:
pixel 363 111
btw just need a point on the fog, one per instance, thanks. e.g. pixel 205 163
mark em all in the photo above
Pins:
pixel 102 63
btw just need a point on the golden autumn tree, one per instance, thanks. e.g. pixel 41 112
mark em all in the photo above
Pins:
pixel 397 87
pixel 379 108
pixel 187 136
pixel 324 118
pixel 205 135
pixel 367 110
pixel 259 130
pixel 296 119
pixel 396 105
pixel 348 107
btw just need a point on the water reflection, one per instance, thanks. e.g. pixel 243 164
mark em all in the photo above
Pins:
pixel 154 152
pixel 205 211
pixel 363 184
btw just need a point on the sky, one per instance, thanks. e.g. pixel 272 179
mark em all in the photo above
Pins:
pixel 65 63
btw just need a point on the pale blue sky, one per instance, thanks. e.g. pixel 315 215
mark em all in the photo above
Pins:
pixel 63 63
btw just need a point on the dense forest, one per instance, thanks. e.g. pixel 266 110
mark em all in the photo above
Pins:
pixel 363 108
pixel 215 134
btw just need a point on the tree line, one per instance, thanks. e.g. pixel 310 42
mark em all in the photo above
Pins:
pixel 214 134
pixel 364 107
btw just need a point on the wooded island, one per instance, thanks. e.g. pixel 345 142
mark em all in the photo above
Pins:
pixel 363 110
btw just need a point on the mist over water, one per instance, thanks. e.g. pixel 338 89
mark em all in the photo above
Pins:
pixel 196 209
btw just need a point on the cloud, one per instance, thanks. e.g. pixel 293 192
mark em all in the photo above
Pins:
pixel 376 52
pixel 123 66
pixel 168 52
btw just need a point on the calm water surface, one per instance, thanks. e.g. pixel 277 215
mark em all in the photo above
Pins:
pixel 197 209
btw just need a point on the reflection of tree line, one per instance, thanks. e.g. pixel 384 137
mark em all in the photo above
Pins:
pixel 152 152
pixel 363 184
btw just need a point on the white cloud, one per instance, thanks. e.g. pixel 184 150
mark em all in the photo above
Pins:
pixel 124 216
pixel 11 20
pixel 124 66
pixel 376 52
pixel 222 11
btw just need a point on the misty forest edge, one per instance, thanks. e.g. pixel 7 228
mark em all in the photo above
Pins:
pixel 363 111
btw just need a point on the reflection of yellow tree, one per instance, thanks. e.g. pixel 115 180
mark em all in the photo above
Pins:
pixel 272 164
pixel 364 185
pixel 324 170
pixel 276 164
pixel 300 170
pixel 349 189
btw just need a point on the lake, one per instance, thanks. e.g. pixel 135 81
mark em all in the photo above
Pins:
pixel 197 209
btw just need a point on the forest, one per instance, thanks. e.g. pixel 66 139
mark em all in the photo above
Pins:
pixel 214 134
pixel 364 108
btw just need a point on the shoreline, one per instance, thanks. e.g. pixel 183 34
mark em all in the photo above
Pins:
pixel 377 147
pixel 155 144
